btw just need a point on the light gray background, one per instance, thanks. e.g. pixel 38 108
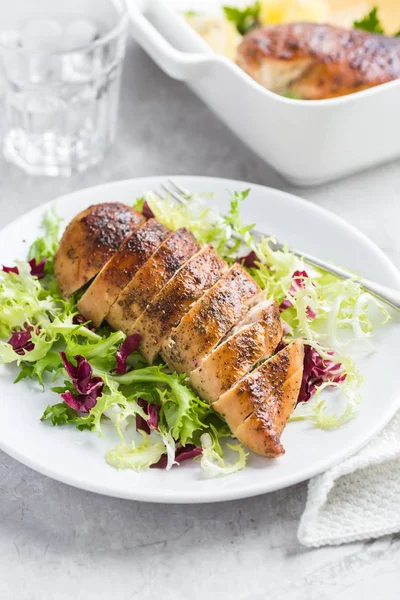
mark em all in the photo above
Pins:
pixel 61 543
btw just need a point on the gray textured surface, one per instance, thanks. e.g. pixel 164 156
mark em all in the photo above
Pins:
pixel 61 543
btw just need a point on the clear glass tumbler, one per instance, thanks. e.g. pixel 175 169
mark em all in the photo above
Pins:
pixel 60 64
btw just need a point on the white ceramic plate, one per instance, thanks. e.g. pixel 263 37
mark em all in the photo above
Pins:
pixel 78 458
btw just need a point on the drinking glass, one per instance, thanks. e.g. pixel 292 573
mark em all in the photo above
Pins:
pixel 60 69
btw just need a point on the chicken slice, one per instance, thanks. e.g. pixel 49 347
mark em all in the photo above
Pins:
pixel 90 240
pixel 209 319
pixel 269 393
pixel 168 307
pixel 255 338
pixel 176 249
pixel 318 61
pixel 261 431
pixel 117 273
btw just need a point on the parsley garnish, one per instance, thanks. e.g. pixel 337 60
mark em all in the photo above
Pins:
pixel 245 19
pixel 371 22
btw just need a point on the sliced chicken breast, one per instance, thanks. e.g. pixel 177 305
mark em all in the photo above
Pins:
pixel 90 240
pixel 209 319
pixel 261 384
pixel 117 273
pixel 316 61
pixel 176 249
pixel 255 338
pixel 270 393
pixel 200 273
pixel 261 431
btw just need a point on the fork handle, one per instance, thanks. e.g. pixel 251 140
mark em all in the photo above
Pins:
pixel 388 295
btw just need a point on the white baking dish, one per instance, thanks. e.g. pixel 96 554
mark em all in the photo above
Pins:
pixel 308 142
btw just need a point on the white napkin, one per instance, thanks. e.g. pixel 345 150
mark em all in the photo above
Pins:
pixel 358 499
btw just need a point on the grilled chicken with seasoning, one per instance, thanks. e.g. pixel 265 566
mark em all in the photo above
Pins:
pixel 255 338
pixel 170 305
pixel 315 61
pixel 207 320
pixel 211 317
pixel 90 240
pixel 258 407
pixel 151 278
pixel 119 270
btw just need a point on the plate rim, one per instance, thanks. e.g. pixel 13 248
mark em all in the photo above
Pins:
pixel 171 496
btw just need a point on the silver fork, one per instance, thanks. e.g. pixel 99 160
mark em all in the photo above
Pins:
pixel 388 295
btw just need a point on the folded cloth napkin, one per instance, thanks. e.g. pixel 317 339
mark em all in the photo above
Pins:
pixel 358 499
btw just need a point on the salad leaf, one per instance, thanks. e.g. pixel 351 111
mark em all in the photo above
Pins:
pixel 371 22
pixel 213 463
pixel 129 345
pixel 100 351
pixel 151 421
pixel 183 453
pixel 136 457
pixel 51 362
pixel 62 414
pixel 245 19
pixel 36 349
pixel 345 378
pixel 37 268
pixel 318 371
pixel 325 309
pixel 205 223
pixel 46 246
pixel 23 300
pixel 182 409
pixel 86 387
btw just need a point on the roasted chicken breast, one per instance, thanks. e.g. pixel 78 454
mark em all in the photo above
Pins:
pixel 209 319
pixel 316 61
pixel 169 306
pixel 119 270
pixel 255 338
pixel 176 249
pixel 90 240
pixel 270 392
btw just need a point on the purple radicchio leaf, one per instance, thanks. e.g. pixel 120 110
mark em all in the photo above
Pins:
pixel 183 453
pixel 297 284
pixel 89 388
pixel 21 340
pixel 79 320
pixel 37 269
pixel 317 371
pixel 146 211
pixel 10 270
pixel 82 403
pixel 126 348
pixel 249 260
pixel 152 411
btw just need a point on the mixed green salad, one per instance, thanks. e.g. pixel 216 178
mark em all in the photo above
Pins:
pixel 98 376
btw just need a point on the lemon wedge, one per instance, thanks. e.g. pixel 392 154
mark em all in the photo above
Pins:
pixel 286 11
